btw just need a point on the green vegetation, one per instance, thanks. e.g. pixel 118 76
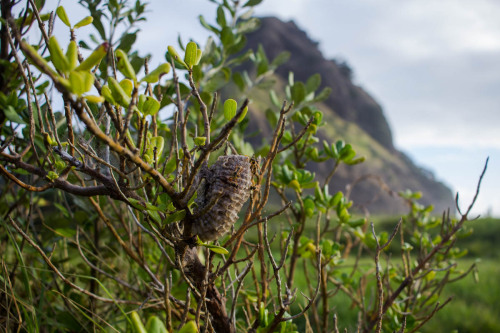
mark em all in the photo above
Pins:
pixel 475 304
pixel 117 216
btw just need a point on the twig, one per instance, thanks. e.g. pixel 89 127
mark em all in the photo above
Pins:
pixel 430 315
pixel 380 290
pixel 59 274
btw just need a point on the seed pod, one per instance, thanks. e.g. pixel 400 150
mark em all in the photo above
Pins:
pixel 221 196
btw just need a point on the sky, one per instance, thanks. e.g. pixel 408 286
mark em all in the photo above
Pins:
pixel 434 66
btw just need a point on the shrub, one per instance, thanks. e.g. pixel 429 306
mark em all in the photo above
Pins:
pixel 116 214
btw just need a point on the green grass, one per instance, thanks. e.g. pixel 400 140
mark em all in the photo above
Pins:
pixel 475 306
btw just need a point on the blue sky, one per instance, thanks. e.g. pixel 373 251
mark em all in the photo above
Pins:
pixel 434 66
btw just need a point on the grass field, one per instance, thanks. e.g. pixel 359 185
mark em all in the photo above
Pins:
pixel 475 306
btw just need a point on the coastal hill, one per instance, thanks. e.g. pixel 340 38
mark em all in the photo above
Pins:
pixel 354 115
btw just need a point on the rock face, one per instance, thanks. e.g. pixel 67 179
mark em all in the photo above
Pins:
pixel 355 116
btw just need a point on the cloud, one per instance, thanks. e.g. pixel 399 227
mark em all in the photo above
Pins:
pixel 432 64
pixel 460 168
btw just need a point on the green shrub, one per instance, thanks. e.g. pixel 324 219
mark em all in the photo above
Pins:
pixel 118 216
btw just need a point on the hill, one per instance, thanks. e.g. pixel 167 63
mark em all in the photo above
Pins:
pixel 354 115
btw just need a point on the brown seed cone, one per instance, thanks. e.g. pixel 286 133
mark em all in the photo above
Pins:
pixel 221 197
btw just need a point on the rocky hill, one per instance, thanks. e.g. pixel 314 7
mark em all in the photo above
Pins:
pixel 354 115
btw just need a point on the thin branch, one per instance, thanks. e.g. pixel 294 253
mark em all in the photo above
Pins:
pixel 59 274
pixel 430 315
pixel 380 290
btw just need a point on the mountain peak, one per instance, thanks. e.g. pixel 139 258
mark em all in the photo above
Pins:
pixel 354 115
pixel 348 100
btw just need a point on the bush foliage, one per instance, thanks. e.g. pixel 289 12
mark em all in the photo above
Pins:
pixel 131 201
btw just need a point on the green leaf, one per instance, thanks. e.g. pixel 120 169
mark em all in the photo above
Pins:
pixel 72 55
pixel 295 185
pixel 208 26
pixel 136 204
pixel 94 98
pixel 291 78
pixel 191 55
pixel 151 106
pixel 221 17
pixel 174 217
pixel 280 59
pixel 173 53
pixel 318 193
pixel 155 325
pixel 248 26
pixel 200 140
pixel 355 161
pixel 238 80
pixel 127 86
pixel 298 92
pixel 227 37
pixel 189 327
pixel 11 114
pixel 137 323
pixel 199 54
pixel 155 216
pixel 252 3
pixel 215 248
pixel 57 56
pixel 83 22
pixel 157 73
pixel 65 232
pixel 171 166
pixel 357 223
pixel 118 93
pixel 323 94
pixel 123 65
pixel 238 45
pixel 407 247
pixel 80 82
pixel 274 98
pixel 126 41
pixel 336 199
pixel 243 114
pixel 230 107
pixel 263 312
pixel 313 82
pixel 106 93
pixel 61 13
pixel 94 58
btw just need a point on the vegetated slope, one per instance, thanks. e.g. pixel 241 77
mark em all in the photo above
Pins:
pixel 353 115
